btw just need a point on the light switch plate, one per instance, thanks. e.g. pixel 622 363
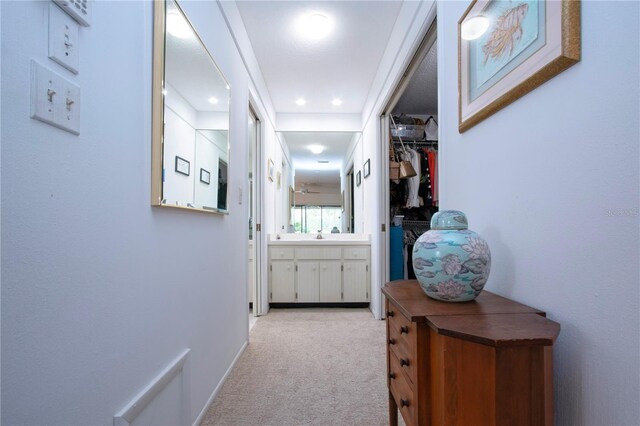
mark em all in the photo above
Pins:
pixel 63 39
pixel 54 99
pixel 44 92
pixel 80 10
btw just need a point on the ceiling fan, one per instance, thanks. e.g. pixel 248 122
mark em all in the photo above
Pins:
pixel 306 191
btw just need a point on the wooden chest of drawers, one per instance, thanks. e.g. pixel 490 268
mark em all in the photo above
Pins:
pixel 485 362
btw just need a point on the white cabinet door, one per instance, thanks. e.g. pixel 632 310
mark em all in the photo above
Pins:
pixel 307 277
pixel 283 282
pixel 356 282
pixel 330 281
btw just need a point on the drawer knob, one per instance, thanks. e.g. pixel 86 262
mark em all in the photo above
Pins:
pixel 404 330
pixel 392 375
pixel 392 341
pixel 389 313
pixel 404 402
pixel 404 362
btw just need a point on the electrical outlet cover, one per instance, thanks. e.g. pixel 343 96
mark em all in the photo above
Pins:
pixel 63 39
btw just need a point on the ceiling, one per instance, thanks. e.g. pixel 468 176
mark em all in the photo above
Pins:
pixel 343 64
pixel 305 163
pixel 198 81
pixel 421 94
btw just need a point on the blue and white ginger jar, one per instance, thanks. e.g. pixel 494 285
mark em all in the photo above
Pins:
pixel 451 262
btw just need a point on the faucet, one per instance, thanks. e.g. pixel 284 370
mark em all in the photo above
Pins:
pixel 319 236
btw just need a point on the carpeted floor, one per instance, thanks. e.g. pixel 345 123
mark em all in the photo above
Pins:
pixel 308 367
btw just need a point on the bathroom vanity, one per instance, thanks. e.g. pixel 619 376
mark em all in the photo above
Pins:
pixel 331 270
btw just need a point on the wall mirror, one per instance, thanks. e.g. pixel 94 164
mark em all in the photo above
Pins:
pixel 322 195
pixel 190 151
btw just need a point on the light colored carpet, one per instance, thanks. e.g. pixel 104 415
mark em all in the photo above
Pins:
pixel 308 367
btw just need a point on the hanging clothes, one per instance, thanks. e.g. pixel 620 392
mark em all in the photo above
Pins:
pixel 433 169
pixel 413 182
pixel 425 191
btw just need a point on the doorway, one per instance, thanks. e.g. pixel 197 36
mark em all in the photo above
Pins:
pixel 254 244
pixel 349 197
pixel 413 130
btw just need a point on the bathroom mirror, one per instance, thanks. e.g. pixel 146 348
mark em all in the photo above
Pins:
pixel 190 151
pixel 322 195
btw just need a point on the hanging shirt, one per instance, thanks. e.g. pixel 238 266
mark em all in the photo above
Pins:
pixel 433 169
pixel 425 191
pixel 413 182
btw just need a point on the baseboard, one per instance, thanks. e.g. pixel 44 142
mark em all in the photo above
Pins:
pixel 320 305
pixel 219 386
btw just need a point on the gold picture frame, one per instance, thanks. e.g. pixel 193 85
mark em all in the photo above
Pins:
pixel 542 39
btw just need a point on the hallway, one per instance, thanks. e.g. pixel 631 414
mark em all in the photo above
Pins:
pixel 307 366
pixel 124 268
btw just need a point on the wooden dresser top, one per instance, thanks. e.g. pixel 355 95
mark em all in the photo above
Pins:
pixel 414 304
pixel 481 320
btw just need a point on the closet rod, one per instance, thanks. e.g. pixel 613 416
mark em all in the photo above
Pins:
pixel 416 222
pixel 417 142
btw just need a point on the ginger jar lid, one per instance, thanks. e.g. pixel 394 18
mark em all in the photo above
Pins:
pixel 449 219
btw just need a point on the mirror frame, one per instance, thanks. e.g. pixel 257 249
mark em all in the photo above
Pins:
pixel 158 106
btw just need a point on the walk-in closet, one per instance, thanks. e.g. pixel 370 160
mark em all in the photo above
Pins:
pixel 413 158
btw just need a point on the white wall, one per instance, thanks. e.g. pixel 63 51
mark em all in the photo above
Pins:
pixel 552 182
pixel 99 289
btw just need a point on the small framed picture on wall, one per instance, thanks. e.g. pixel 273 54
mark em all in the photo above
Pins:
pixel 183 166
pixel 271 169
pixel 366 169
pixel 358 179
pixel 205 176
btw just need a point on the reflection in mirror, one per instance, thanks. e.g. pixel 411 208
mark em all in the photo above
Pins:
pixel 323 185
pixel 191 117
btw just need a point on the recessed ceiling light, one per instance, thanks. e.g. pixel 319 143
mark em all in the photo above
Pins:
pixel 473 28
pixel 314 26
pixel 337 102
pixel 316 149
pixel 300 102
pixel 177 26
pixel 323 161
pixel 213 100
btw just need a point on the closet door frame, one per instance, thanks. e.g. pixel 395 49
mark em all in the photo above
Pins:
pixel 429 38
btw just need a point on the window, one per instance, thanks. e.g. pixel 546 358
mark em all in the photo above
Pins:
pixel 310 219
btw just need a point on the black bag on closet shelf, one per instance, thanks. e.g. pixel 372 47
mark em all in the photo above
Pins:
pixel 405 169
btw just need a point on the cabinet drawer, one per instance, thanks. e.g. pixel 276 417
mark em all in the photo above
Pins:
pixel 402 391
pixel 356 253
pixel 402 341
pixel 318 253
pixel 281 253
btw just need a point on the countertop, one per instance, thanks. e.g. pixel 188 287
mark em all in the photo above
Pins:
pixel 327 240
